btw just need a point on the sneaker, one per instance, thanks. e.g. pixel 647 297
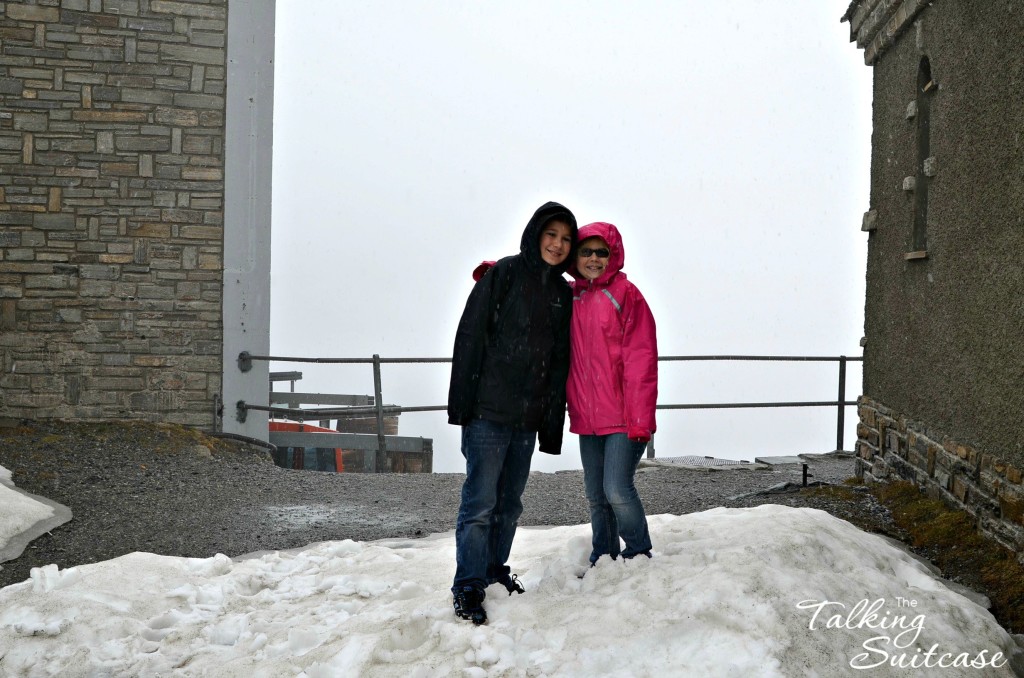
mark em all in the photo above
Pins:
pixel 468 603
pixel 511 583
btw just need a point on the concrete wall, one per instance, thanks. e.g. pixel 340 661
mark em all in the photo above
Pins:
pixel 247 187
pixel 944 324
pixel 112 208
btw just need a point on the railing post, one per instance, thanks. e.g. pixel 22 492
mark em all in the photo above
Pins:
pixel 378 401
pixel 840 419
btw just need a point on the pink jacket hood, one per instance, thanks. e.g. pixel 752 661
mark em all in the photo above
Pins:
pixel 610 235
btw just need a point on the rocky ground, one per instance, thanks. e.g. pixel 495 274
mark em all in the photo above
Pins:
pixel 174 491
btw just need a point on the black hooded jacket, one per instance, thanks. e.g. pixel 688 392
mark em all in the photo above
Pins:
pixel 511 356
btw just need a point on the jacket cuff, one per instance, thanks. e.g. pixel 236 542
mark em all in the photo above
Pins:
pixel 550 444
pixel 641 435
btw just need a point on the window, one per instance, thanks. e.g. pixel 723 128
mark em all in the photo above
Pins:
pixel 925 90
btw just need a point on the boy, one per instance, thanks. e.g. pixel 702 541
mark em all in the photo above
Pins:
pixel 509 367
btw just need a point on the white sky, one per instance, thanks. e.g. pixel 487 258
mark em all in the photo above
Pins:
pixel 729 592
pixel 729 141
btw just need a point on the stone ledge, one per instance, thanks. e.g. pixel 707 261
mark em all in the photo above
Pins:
pixel 876 24
pixel 983 485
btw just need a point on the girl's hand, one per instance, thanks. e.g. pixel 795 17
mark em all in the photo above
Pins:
pixel 640 435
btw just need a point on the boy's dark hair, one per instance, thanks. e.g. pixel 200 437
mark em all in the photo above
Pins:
pixel 563 217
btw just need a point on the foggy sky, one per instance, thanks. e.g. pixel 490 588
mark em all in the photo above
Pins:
pixel 728 141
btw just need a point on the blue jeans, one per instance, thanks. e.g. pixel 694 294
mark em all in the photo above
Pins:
pixel 609 463
pixel 497 468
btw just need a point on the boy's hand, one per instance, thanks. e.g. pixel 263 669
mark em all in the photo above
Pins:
pixel 640 435
pixel 549 444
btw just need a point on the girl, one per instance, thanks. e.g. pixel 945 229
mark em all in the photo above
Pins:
pixel 612 389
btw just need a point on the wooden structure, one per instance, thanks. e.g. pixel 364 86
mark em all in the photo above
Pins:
pixel 349 424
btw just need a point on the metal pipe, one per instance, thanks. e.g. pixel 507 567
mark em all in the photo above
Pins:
pixel 248 358
pixel 726 406
pixel 840 421
pixel 765 358
pixel 378 404
pixel 336 412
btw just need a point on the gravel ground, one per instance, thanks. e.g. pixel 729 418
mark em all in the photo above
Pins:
pixel 173 491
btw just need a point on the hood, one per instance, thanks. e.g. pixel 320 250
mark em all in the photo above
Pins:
pixel 482 268
pixel 529 246
pixel 610 235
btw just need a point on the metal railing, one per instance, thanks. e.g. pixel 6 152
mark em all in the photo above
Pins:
pixel 245 360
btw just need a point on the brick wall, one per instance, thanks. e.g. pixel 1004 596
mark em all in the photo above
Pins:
pixel 111 208
pixel 891 446
pixel 366 425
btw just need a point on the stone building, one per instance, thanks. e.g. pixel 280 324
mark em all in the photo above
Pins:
pixel 943 399
pixel 135 152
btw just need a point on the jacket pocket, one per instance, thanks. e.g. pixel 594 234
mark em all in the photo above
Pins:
pixel 500 390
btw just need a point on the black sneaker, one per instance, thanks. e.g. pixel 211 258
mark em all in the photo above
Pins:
pixel 511 583
pixel 468 602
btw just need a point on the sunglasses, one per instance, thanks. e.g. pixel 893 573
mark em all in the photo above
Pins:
pixel 601 252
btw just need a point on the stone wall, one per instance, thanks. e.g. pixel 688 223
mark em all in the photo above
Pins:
pixel 892 446
pixel 111 208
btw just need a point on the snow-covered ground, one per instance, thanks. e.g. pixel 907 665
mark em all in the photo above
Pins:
pixel 767 591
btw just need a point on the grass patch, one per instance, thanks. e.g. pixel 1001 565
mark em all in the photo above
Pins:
pixel 948 537
pixel 840 492
pixel 158 438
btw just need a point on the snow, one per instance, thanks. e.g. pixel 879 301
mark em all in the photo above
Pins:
pixel 768 591
pixel 24 517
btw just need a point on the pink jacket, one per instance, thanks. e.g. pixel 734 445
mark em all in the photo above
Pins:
pixel 613 369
